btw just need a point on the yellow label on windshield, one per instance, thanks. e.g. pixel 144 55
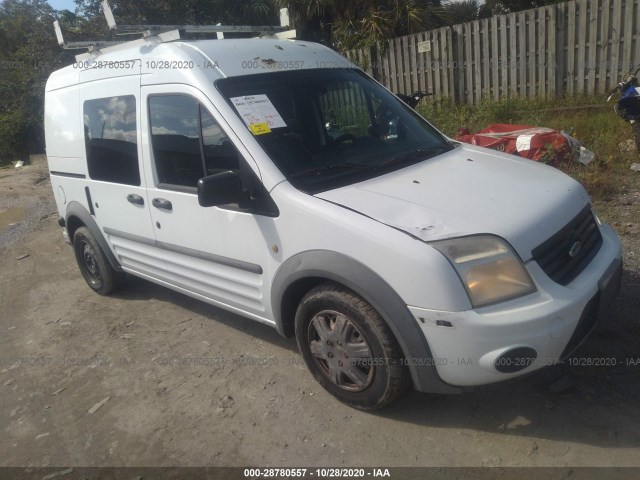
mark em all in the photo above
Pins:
pixel 259 128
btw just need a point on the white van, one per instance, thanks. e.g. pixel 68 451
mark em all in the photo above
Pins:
pixel 275 179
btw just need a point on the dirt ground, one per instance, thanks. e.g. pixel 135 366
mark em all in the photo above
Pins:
pixel 150 377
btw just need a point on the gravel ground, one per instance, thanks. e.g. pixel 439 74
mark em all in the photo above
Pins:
pixel 149 377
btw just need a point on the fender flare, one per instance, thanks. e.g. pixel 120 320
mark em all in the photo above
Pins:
pixel 342 269
pixel 76 209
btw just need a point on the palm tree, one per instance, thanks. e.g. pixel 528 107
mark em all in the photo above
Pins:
pixel 462 11
pixel 349 24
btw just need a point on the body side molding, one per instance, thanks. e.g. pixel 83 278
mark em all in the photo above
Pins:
pixel 209 257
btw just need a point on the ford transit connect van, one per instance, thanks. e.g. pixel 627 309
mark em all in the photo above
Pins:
pixel 276 180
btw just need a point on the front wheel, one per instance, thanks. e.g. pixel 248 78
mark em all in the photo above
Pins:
pixel 349 348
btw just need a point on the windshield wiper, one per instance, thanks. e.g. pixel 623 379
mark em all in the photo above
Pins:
pixel 419 155
pixel 333 166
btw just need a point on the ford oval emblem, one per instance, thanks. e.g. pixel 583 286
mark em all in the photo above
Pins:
pixel 575 249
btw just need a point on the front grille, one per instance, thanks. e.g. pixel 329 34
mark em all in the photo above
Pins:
pixel 567 253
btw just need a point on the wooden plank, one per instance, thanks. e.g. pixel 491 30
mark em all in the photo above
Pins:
pixel 379 75
pixel 532 59
pixel 386 71
pixel 486 58
pixel 627 42
pixel 399 67
pixel 504 57
pixel 593 46
pixel 581 51
pixel 459 58
pixel 424 69
pixel 477 65
pixel 450 63
pixel 551 50
pixel 616 25
pixel 414 58
pixel 561 46
pixel 433 79
pixel 522 53
pixel 393 74
pixel 406 66
pixel 468 62
pixel 513 50
pixel 542 49
pixel 495 59
pixel 571 47
pixel 435 58
pixel 605 51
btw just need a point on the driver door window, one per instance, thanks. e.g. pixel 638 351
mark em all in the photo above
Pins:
pixel 187 142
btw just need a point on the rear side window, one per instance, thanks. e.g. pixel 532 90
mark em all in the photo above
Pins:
pixel 111 139
pixel 188 143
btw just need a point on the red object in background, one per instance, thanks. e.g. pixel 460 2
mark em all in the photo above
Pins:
pixel 535 143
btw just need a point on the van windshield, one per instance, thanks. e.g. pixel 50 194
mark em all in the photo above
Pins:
pixel 328 128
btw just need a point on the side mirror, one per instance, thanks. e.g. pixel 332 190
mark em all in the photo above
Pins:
pixel 219 189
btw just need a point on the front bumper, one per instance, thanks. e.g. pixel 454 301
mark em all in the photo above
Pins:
pixel 475 347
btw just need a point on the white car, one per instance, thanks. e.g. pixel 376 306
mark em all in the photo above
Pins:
pixel 395 256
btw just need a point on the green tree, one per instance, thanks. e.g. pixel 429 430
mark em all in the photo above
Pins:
pixel 28 54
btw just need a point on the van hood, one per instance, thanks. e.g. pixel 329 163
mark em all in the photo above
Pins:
pixel 469 190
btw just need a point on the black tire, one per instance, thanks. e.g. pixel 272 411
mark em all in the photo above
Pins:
pixel 349 348
pixel 93 264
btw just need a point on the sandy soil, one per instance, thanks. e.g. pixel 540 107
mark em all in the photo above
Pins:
pixel 152 378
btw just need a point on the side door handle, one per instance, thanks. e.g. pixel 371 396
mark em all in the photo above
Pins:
pixel 135 199
pixel 162 204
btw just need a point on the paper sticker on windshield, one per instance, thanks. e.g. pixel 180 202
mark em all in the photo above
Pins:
pixel 256 109
pixel 259 128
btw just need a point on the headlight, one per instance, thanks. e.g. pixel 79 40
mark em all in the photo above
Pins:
pixel 489 268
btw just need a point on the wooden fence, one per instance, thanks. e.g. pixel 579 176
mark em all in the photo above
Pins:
pixel 572 48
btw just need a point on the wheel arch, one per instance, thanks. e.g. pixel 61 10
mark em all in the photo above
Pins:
pixel 300 273
pixel 78 216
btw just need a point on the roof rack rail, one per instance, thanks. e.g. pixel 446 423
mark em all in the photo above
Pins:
pixel 167 33
pixel 91 45
pixel 148 30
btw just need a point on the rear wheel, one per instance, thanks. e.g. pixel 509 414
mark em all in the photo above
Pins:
pixel 348 348
pixel 93 263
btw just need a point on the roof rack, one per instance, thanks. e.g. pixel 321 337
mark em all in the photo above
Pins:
pixel 166 33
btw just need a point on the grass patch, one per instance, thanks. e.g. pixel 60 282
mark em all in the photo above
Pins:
pixel 596 126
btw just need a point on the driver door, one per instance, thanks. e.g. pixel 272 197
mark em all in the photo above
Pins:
pixel 218 254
